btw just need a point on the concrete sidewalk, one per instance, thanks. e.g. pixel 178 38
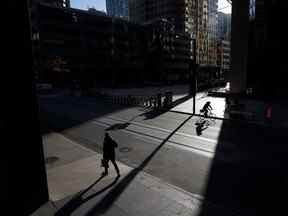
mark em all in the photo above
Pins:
pixel 71 168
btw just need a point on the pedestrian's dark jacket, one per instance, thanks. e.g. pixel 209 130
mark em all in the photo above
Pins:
pixel 206 106
pixel 109 148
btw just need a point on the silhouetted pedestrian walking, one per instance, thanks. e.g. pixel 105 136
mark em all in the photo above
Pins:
pixel 109 146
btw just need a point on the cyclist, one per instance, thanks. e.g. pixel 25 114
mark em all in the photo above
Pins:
pixel 206 108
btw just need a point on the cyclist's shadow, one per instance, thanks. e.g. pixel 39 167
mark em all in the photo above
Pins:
pixel 201 126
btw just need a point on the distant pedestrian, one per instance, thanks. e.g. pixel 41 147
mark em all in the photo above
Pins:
pixel 109 146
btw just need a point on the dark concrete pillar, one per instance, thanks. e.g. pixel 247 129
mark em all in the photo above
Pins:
pixel 25 187
pixel 239 45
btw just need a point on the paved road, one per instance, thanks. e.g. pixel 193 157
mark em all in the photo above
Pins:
pixel 233 164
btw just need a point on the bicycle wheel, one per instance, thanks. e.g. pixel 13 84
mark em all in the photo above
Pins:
pixel 200 120
pixel 212 117
pixel 207 123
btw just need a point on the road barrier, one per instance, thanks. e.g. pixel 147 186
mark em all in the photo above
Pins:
pixel 158 101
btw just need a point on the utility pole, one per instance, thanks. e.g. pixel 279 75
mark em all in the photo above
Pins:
pixel 193 81
pixel 193 76
pixel 193 84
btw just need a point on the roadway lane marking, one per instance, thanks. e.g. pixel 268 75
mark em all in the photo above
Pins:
pixel 156 140
pixel 213 141
pixel 145 125
pixel 163 130
pixel 198 148
pixel 200 151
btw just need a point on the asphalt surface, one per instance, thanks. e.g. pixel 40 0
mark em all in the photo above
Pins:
pixel 237 165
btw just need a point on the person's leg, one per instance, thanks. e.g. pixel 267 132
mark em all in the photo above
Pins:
pixel 106 171
pixel 116 167
pixel 105 165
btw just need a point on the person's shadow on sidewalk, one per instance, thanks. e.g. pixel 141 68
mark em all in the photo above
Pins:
pixel 78 199
pixel 121 126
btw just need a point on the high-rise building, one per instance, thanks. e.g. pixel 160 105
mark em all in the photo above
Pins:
pixel 252 8
pixel 198 18
pixel 223 60
pixel 34 6
pixel 118 8
pixel 224 26
pixel 181 13
pixel 90 47
pixel 212 33
pixel 169 52
pixel 34 14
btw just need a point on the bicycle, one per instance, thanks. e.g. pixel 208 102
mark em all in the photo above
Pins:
pixel 212 116
pixel 208 121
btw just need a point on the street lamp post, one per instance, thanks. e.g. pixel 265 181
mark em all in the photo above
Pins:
pixel 193 75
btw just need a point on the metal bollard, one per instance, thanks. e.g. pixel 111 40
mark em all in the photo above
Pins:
pixel 168 99
pixel 133 101
pixel 158 101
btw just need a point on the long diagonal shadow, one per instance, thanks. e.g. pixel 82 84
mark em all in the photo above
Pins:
pixel 107 201
pixel 78 200
pixel 120 126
